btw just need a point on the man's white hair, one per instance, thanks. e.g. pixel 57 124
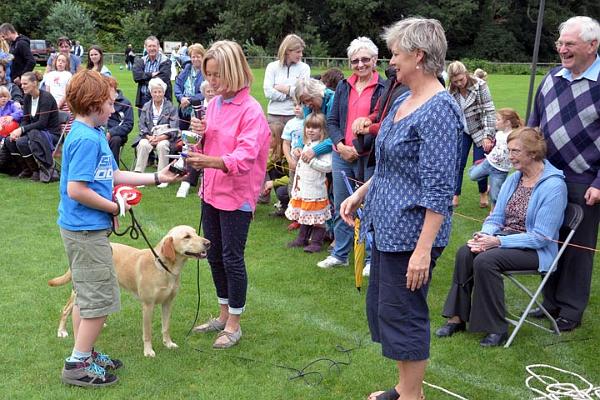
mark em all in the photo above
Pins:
pixel 589 29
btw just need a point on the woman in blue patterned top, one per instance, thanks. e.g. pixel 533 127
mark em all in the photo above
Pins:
pixel 408 200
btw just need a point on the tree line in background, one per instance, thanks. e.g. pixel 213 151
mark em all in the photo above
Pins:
pixel 495 30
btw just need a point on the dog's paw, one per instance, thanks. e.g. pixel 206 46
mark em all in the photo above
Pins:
pixel 149 353
pixel 170 345
pixel 62 333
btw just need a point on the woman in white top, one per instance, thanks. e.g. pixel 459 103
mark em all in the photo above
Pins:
pixel 281 76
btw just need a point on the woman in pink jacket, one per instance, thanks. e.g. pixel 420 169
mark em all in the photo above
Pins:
pixel 234 159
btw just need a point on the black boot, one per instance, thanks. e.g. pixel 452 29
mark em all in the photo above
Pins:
pixel 316 240
pixel 25 171
pixel 33 166
pixel 302 239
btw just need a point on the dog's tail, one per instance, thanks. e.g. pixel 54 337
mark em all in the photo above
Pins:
pixel 61 280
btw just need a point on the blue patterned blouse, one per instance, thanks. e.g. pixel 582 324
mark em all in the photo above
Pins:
pixel 417 161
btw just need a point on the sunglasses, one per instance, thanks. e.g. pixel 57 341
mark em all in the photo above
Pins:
pixel 364 60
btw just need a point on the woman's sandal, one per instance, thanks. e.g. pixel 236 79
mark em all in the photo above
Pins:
pixel 232 339
pixel 212 325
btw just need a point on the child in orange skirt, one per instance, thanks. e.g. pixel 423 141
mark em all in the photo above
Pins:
pixel 309 204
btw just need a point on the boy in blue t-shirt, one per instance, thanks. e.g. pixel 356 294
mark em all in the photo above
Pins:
pixel 85 214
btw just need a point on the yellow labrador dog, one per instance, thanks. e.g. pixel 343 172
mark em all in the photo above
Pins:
pixel 142 275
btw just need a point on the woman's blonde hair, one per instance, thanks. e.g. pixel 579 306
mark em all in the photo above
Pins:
pixel 196 48
pixel 290 43
pixel 234 71
pixel 532 140
pixel 276 128
pixel 315 120
pixel 4 45
pixel 454 69
pixel 481 74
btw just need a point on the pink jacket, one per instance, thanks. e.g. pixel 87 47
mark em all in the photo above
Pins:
pixel 238 132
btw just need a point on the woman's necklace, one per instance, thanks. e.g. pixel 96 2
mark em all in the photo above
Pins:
pixel 533 178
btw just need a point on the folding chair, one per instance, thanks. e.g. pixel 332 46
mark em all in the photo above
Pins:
pixel 573 217
pixel 63 119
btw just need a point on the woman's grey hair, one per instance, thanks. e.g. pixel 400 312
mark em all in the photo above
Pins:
pixel 362 42
pixel 157 83
pixel 423 34
pixel 203 87
pixel 589 29
pixel 309 87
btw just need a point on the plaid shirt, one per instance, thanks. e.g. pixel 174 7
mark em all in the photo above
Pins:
pixel 568 113
pixel 149 67
pixel 479 111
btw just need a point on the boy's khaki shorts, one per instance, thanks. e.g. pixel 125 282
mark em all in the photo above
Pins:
pixel 93 273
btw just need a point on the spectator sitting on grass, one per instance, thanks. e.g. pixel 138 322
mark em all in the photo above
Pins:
pixel 277 170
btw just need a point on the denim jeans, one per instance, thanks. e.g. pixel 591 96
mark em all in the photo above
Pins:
pixel 497 177
pixel 343 233
pixel 478 154
pixel 227 232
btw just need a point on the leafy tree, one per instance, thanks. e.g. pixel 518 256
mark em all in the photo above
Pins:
pixel 136 28
pixel 26 16
pixel 69 18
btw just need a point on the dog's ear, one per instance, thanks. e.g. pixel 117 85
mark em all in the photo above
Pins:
pixel 168 249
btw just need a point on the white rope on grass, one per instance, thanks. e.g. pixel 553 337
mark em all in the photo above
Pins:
pixel 444 390
pixel 556 390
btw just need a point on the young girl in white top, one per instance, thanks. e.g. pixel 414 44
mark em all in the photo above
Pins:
pixel 57 79
pixel 309 204
pixel 496 163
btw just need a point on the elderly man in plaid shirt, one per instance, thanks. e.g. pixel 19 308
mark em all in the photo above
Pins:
pixel 567 110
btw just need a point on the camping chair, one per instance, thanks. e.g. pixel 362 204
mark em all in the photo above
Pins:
pixel 63 119
pixel 573 217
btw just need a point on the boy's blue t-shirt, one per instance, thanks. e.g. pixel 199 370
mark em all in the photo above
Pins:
pixel 292 132
pixel 86 158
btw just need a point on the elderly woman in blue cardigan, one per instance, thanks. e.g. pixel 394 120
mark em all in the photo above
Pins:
pixel 520 233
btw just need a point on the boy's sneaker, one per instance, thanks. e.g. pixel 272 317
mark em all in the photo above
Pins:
pixel 367 269
pixel 331 262
pixel 87 374
pixel 105 361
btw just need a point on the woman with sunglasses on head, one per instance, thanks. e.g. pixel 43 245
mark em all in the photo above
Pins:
pixel 355 97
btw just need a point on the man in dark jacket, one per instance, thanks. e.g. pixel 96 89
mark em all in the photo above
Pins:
pixel 19 48
pixel 119 124
pixel 153 65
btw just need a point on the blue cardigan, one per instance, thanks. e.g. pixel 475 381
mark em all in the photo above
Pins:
pixel 545 213
pixel 180 84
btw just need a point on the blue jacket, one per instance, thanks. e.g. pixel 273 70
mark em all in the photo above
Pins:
pixel 336 120
pixel 180 84
pixel 544 217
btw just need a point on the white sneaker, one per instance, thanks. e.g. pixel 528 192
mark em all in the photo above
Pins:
pixel 331 262
pixel 183 190
pixel 162 185
pixel 367 269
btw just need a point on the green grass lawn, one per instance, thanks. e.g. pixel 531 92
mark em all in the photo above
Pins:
pixel 296 312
